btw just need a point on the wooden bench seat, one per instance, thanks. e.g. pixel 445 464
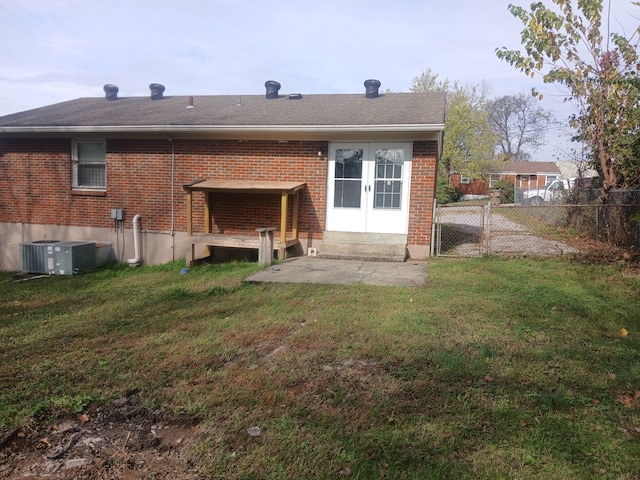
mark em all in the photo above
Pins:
pixel 260 240
pixel 235 241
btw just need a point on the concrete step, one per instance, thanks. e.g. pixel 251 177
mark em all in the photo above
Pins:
pixel 357 246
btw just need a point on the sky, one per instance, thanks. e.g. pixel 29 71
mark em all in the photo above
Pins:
pixel 53 51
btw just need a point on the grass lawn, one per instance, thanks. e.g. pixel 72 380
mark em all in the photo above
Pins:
pixel 499 368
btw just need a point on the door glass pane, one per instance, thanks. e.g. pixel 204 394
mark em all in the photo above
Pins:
pixel 388 181
pixel 348 178
pixel 347 193
pixel 349 163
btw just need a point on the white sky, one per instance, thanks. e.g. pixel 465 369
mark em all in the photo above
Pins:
pixel 57 50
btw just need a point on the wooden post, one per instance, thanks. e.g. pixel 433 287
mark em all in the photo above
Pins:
pixel 189 213
pixel 207 220
pixel 207 212
pixel 283 226
pixel 265 246
pixel 294 220
pixel 190 246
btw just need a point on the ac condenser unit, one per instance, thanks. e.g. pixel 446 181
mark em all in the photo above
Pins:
pixel 57 258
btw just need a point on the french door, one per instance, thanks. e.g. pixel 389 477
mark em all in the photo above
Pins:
pixel 368 187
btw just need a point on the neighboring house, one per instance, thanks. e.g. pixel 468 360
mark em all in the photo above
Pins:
pixel 573 170
pixel 528 174
pixel 468 187
pixel 325 171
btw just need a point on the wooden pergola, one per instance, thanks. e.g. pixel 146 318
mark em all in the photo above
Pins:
pixel 209 186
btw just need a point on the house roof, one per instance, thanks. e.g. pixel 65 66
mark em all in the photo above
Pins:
pixel 233 114
pixel 530 168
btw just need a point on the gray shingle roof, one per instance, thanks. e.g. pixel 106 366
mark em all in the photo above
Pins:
pixel 392 109
pixel 530 168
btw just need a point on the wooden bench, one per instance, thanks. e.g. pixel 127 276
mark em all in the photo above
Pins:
pixel 263 241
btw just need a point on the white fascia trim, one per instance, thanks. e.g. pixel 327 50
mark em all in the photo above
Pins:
pixel 227 129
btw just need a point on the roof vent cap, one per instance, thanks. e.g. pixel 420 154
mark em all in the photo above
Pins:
pixel 156 91
pixel 110 91
pixel 272 88
pixel 295 96
pixel 372 87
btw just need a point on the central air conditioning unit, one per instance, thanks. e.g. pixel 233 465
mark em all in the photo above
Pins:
pixel 54 257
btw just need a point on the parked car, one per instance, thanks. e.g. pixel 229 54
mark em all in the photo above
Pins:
pixel 552 193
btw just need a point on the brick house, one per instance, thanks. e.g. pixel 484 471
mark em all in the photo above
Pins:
pixel 528 174
pixel 469 187
pixel 335 173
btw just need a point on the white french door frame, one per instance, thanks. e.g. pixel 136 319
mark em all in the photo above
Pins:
pixel 383 205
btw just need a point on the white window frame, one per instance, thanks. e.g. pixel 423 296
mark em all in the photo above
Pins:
pixel 550 179
pixel 464 180
pixel 75 162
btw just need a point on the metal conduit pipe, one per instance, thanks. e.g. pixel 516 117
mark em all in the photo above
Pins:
pixel 133 262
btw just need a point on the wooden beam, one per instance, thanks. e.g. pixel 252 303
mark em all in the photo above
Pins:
pixel 294 220
pixel 189 213
pixel 207 212
pixel 207 219
pixel 283 217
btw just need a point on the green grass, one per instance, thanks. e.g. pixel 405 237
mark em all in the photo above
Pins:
pixel 497 369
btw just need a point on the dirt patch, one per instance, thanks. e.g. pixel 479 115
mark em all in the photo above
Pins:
pixel 126 442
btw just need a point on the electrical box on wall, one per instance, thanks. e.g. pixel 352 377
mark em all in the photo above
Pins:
pixel 117 214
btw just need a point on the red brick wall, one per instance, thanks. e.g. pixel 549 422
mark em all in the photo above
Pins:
pixel 474 187
pixel 35 184
pixel 423 181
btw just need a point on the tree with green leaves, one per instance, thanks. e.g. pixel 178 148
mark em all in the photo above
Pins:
pixel 519 124
pixel 469 141
pixel 566 45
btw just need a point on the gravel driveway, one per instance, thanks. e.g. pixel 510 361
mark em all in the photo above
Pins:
pixel 478 230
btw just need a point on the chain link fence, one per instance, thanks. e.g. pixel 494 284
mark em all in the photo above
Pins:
pixel 544 229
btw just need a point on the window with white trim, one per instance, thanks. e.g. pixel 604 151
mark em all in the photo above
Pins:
pixel 89 164
pixel 551 179
pixel 464 179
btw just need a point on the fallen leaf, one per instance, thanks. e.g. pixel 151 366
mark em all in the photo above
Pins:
pixel 346 471
pixel 411 300
pixel 624 332
pixel 612 376
pixel 625 400
pixel 46 441
pixel 83 418
pixel 524 424
pixel 595 401
pixel 487 378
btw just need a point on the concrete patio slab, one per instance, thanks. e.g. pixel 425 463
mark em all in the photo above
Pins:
pixel 330 271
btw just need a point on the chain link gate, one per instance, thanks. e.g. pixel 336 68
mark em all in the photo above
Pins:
pixel 460 230
pixel 470 231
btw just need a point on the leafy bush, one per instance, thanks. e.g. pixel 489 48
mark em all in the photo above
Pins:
pixel 444 193
pixel 507 191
